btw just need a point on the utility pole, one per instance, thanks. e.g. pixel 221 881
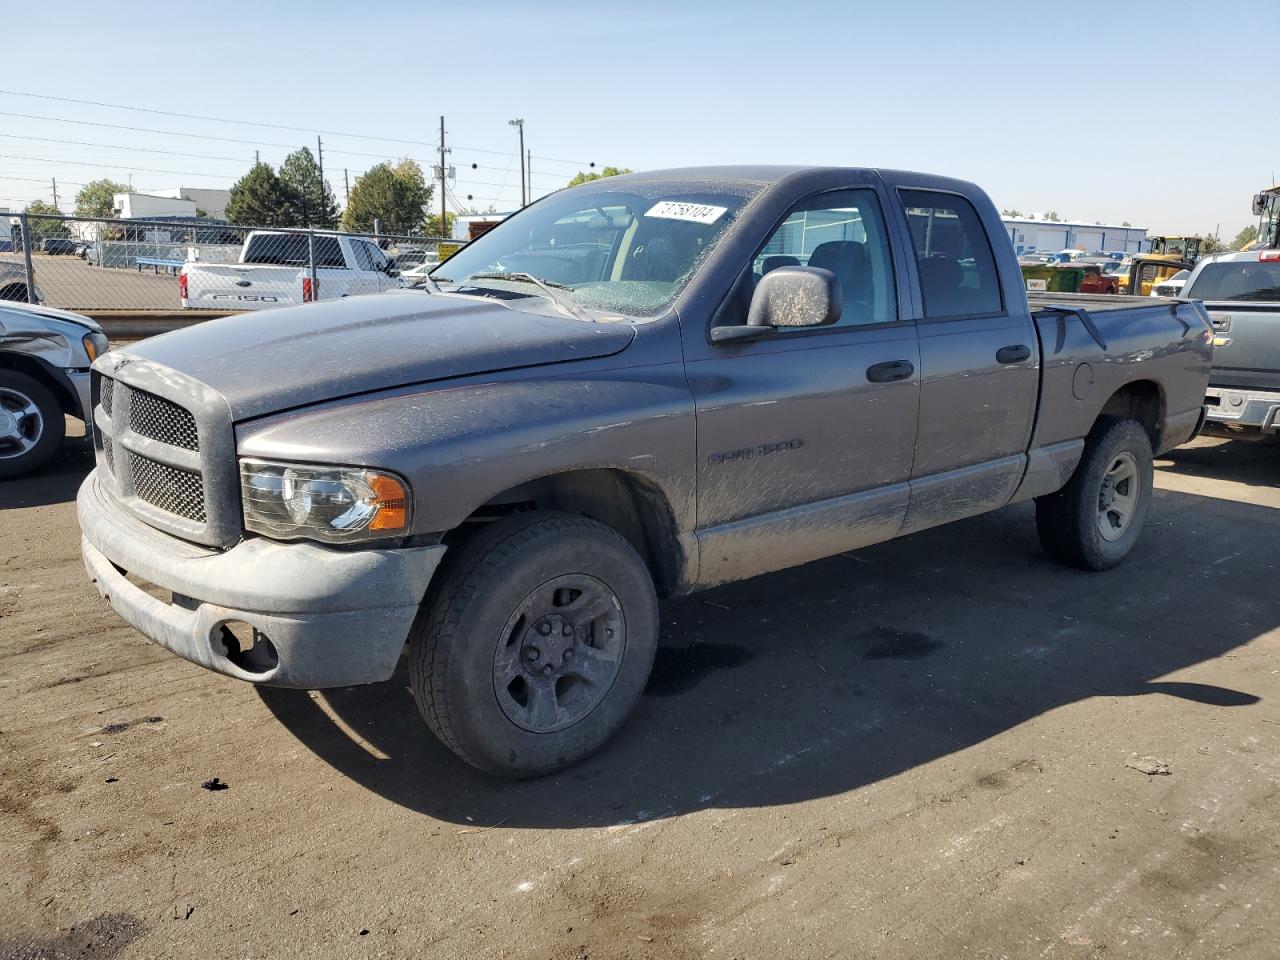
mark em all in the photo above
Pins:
pixel 529 169
pixel 256 158
pixel 346 187
pixel 55 194
pixel 324 213
pixel 443 219
pixel 519 122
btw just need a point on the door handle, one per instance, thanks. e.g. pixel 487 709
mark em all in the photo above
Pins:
pixel 890 371
pixel 1015 353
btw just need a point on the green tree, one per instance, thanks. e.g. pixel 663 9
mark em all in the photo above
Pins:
pixel 97 199
pixel 1212 244
pixel 259 199
pixel 1052 216
pixel 40 223
pixel 1125 223
pixel 394 195
pixel 432 227
pixel 1245 237
pixel 1013 214
pixel 309 198
pixel 606 172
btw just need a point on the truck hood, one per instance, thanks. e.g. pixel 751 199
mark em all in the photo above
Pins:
pixel 275 360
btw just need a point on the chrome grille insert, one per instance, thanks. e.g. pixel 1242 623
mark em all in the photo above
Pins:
pixel 108 454
pixel 106 386
pixel 172 489
pixel 160 419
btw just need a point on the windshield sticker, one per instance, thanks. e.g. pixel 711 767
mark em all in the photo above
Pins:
pixel 693 212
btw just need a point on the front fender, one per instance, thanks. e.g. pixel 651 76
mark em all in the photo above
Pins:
pixel 462 445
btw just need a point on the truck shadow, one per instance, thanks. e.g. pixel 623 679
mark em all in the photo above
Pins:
pixel 816 681
pixel 1253 462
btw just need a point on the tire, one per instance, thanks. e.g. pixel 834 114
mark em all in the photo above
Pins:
pixel 30 438
pixel 510 625
pixel 1071 522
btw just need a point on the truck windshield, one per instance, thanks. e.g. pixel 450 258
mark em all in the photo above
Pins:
pixel 626 248
pixel 1237 280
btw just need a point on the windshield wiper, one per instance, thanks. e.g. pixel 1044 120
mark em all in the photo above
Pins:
pixel 549 287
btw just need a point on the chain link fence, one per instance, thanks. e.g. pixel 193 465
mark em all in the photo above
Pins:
pixel 165 266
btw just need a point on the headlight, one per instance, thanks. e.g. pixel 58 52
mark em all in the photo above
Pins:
pixel 330 504
pixel 95 344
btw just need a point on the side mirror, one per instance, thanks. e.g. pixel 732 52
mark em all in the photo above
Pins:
pixel 1259 204
pixel 788 297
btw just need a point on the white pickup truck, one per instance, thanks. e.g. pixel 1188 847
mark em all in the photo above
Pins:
pixel 274 271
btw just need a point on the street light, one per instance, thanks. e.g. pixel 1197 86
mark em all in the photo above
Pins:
pixel 519 122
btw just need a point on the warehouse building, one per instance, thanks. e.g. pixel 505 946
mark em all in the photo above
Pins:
pixel 1050 236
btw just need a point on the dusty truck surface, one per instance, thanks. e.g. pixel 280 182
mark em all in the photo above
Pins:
pixel 639 387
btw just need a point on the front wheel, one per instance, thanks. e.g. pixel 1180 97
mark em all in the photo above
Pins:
pixel 31 424
pixel 1095 520
pixel 536 644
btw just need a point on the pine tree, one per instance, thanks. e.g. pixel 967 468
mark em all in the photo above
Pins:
pixel 259 199
pixel 310 201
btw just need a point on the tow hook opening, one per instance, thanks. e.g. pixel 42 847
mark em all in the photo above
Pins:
pixel 246 646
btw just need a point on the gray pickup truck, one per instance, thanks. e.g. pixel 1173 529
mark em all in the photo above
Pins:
pixel 1241 292
pixel 640 387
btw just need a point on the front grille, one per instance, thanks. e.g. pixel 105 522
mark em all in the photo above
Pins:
pixel 106 386
pixel 108 454
pixel 160 419
pixel 172 489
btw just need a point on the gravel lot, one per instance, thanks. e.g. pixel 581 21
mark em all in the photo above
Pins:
pixel 73 284
pixel 918 750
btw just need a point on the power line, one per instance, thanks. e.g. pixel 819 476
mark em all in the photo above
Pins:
pixel 197 116
pixel 113 146
pixel 118 166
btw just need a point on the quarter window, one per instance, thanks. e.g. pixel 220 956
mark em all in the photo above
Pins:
pixel 842 232
pixel 958 276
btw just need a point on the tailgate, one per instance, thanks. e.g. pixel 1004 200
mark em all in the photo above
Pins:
pixel 1246 350
pixel 242 286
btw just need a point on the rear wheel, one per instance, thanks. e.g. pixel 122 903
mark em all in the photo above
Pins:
pixel 31 423
pixel 536 645
pixel 1095 520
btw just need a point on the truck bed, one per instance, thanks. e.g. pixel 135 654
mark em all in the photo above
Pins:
pixel 1093 302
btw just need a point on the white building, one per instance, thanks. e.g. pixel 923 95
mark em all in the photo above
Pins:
pixel 212 203
pixel 1050 236
pixel 146 206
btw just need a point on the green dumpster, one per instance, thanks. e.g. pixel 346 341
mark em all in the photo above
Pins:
pixel 1063 279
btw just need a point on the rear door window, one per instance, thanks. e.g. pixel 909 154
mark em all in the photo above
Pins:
pixel 361 251
pixel 1238 280
pixel 958 276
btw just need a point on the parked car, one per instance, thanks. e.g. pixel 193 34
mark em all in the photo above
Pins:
pixel 417 276
pixel 44 376
pixel 646 385
pixel 1242 294
pixel 1096 279
pixel 274 270
pixel 411 259
pixel 1172 287
pixel 13 282
pixel 59 246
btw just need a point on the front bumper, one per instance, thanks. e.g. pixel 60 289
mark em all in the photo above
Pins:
pixel 332 617
pixel 1231 407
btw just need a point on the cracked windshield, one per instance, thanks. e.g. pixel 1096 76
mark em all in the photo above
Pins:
pixel 611 251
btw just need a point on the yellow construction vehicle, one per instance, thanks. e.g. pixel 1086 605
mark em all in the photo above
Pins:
pixel 1266 206
pixel 1166 257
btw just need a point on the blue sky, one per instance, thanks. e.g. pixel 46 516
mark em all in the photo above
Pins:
pixel 1160 114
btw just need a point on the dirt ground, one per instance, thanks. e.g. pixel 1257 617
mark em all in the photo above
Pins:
pixel 919 750
pixel 70 283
